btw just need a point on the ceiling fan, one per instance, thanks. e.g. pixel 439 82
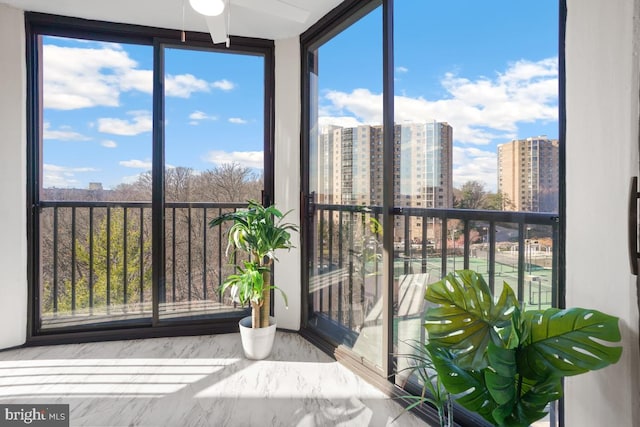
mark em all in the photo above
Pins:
pixel 217 13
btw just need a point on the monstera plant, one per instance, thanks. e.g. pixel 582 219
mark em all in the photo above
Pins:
pixel 504 363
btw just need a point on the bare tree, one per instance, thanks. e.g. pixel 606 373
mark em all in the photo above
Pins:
pixel 230 182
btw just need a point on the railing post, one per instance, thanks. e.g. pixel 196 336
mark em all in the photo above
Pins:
pixel 125 256
pixel 521 261
pixel 340 267
pixel 55 261
pixel 73 259
pixel 108 258
pixel 492 255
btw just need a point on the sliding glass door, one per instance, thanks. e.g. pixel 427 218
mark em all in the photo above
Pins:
pixel 94 216
pixel 213 163
pixel 345 183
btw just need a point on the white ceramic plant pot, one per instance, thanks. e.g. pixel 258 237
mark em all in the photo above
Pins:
pixel 257 343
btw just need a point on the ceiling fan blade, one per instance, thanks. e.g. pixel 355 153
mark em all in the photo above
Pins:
pixel 217 27
pixel 277 8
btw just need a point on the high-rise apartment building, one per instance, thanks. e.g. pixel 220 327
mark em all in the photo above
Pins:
pixel 350 166
pixel 528 174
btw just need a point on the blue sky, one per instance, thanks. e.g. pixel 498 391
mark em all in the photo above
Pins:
pixel 487 68
pixel 98 109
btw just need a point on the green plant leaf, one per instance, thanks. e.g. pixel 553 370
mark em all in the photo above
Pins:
pixel 538 394
pixel 531 406
pixel 468 387
pixel 467 318
pixel 500 380
pixel 248 282
pixel 503 414
pixel 568 342
pixel 257 230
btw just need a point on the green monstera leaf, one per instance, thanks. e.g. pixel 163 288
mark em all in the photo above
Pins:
pixel 501 378
pixel 568 342
pixel 468 387
pixel 531 405
pixel 467 318
pixel 505 364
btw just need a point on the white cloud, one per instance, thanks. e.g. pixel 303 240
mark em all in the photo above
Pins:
pixel 470 163
pixel 64 169
pixel 251 159
pixel 64 133
pixel 365 106
pixel 82 77
pixel 179 86
pixel 139 80
pixel 223 84
pixel 62 176
pixel 140 122
pixel 182 86
pixel 343 121
pixel 130 179
pixel 401 69
pixel 109 143
pixel 237 121
pixel 136 164
pixel 480 110
pixel 198 116
pixel 78 78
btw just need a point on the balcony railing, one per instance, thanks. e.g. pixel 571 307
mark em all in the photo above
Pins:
pixel 519 248
pixel 96 262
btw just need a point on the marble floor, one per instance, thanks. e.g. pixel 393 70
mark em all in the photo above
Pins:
pixel 195 381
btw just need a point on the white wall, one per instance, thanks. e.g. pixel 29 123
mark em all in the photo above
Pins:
pixel 13 232
pixel 602 155
pixel 287 175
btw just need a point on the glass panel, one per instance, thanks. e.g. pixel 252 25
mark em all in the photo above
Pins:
pixel 476 108
pixel 538 257
pixel 95 242
pixel 214 154
pixel 345 176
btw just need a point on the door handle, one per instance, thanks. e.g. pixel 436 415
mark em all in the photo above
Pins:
pixel 634 256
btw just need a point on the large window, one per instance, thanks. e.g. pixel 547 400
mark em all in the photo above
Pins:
pixel 137 141
pixel 346 164
pixel 94 255
pixel 436 149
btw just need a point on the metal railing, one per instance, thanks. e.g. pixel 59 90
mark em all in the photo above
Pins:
pixel 520 248
pixel 96 259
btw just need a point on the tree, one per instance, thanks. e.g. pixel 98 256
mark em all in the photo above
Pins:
pixel 473 195
pixel 109 261
pixel 497 201
pixel 230 182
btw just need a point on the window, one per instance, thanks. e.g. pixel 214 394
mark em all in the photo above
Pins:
pixel 118 155
pixel 441 154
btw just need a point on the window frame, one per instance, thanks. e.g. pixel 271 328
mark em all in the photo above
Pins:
pixel 333 23
pixel 40 24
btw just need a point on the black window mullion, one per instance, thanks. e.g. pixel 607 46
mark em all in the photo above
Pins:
pixel 157 186
pixel 388 189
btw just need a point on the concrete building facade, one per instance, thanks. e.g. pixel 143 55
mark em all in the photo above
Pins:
pixel 350 167
pixel 528 174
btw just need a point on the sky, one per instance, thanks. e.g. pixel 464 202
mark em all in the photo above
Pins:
pixel 487 68
pixel 98 111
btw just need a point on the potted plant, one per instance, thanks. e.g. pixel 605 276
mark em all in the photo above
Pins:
pixel 258 231
pixel 506 364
